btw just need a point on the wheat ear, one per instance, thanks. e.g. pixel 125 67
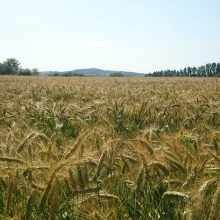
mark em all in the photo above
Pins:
pixel 12 160
pixel 22 144
pixel 175 195
pixel 99 167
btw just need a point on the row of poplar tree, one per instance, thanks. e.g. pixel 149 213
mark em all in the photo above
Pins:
pixel 208 70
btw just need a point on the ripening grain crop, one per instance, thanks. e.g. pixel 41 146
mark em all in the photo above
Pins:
pixel 107 148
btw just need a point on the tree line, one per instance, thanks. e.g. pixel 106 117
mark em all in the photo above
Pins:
pixel 72 74
pixel 12 67
pixel 208 70
pixel 68 74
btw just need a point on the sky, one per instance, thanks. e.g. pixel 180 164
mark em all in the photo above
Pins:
pixel 128 35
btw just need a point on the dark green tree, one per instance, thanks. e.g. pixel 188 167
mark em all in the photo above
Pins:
pixel 11 66
pixel 213 68
pixel 189 71
pixel 185 72
pixel 203 71
pixel 24 72
pixel 2 69
pixel 199 71
pixel 194 71
pixel 35 71
pixel 218 68
pixel 208 69
pixel 116 74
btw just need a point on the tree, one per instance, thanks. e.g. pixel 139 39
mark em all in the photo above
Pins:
pixel 185 71
pixel 11 66
pixel 35 71
pixel 194 71
pixel 213 67
pixel 203 71
pixel 208 69
pixel 199 71
pixel 2 69
pixel 218 68
pixel 24 72
pixel 188 71
pixel 116 74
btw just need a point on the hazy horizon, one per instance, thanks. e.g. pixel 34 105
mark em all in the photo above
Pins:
pixel 136 36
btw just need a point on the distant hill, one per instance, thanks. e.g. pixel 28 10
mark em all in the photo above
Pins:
pixel 93 72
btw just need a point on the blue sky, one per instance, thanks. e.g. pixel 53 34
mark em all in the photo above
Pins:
pixel 130 35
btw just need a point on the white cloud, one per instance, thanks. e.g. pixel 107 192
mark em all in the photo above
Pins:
pixel 26 21
pixel 93 42
pixel 89 42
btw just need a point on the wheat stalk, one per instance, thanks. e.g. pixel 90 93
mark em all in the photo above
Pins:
pixel 215 205
pixel 54 206
pixel 11 190
pixel 28 210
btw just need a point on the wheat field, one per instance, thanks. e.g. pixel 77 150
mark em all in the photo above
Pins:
pixel 109 148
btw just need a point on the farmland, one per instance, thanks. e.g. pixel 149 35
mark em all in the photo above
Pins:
pixel 109 148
